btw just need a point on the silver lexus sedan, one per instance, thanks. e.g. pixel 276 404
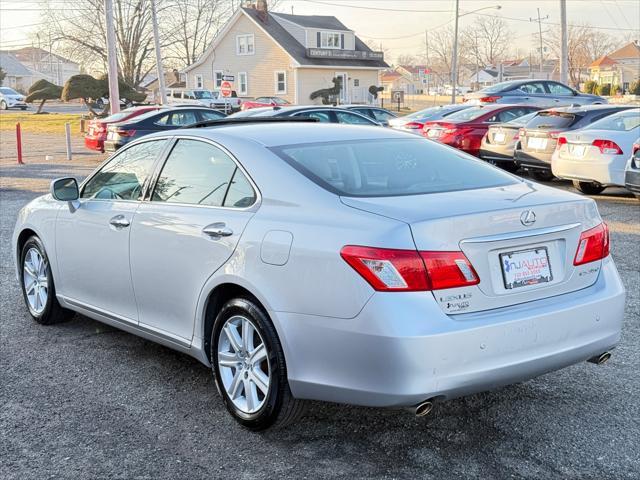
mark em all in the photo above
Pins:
pixel 315 261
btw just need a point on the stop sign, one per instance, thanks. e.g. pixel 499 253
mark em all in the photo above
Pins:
pixel 225 89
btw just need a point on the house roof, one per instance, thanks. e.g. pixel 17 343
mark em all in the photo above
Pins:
pixel 314 21
pixel 603 62
pixel 298 51
pixel 413 68
pixel 27 54
pixel 630 50
pixel 12 66
pixel 390 76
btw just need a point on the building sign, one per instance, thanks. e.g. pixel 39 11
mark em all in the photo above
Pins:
pixel 344 54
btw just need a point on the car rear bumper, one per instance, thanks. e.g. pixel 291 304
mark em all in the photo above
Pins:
pixel 93 143
pixel 632 181
pixel 536 161
pixel 402 349
pixel 112 145
pixel 500 153
pixel 607 170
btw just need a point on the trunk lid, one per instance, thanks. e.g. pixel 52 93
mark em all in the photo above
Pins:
pixel 488 226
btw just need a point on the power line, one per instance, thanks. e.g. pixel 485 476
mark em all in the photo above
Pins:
pixel 377 8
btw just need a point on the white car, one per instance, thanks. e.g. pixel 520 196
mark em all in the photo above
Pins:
pixel 9 98
pixel 341 263
pixel 595 157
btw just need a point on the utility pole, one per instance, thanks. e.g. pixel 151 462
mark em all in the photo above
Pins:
pixel 454 60
pixel 539 20
pixel 159 69
pixel 112 60
pixel 564 40
pixel 477 63
pixel 426 59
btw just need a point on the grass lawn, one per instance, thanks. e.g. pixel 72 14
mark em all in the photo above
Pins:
pixel 43 123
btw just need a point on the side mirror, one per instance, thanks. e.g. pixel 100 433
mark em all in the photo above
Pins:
pixel 65 189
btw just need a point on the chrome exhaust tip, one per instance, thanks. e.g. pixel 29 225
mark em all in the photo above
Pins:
pixel 423 409
pixel 600 359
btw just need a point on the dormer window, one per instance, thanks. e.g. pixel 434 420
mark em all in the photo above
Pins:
pixel 245 44
pixel 330 40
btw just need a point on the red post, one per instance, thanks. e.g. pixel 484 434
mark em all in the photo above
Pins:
pixel 19 143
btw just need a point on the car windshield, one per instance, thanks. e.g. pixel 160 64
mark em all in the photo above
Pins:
pixel 200 94
pixel 468 114
pixel 551 119
pixel 621 122
pixel 8 91
pixel 390 167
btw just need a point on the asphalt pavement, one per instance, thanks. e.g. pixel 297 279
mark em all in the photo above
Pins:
pixel 85 400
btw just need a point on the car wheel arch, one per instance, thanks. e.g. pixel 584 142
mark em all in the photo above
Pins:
pixel 23 236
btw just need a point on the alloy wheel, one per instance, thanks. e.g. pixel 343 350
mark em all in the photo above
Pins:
pixel 35 280
pixel 243 363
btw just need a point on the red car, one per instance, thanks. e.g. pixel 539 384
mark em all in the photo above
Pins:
pixel 464 129
pixel 264 102
pixel 97 128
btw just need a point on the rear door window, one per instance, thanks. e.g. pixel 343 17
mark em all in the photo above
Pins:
pixel 533 88
pixel 559 89
pixel 390 167
pixel 352 119
pixel 382 116
pixel 322 116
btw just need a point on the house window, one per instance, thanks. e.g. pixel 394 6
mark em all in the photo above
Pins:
pixel 243 87
pixel 356 82
pixel 329 40
pixel 281 82
pixel 199 82
pixel 245 44
pixel 217 78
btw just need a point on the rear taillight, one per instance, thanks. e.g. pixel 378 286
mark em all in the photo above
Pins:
pixel 522 133
pixel 413 125
pixel 490 99
pixel 561 141
pixel 409 270
pixel 125 133
pixel 593 245
pixel 608 147
pixel 636 147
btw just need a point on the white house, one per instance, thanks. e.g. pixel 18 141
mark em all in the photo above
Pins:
pixel 290 56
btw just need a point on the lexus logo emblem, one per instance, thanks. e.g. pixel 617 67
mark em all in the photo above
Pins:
pixel 528 218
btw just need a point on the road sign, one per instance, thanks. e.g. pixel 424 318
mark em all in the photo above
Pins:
pixel 228 78
pixel 225 89
pixel 397 96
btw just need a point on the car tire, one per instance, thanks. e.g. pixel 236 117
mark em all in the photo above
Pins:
pixel 3 105
pixel 44 306
pixel 277 408
pixel 541 175
pixel 588 188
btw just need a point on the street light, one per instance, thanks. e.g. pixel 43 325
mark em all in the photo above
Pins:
pixel 454 63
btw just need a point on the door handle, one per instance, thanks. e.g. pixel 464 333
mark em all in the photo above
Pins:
pixel 217 230
pixel 119 221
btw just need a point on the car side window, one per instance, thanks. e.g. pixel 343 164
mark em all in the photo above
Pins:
pixel 322 117
pixel 199 173
pixel 211 115
pixel 350 118
pixel 240 194
pixel 124 176
pixel 559 89
pixel 363 111
pixel 382 116
pixel 534 88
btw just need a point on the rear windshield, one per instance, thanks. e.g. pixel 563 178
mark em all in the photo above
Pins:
pixel 544 120
pixel 426 113
pixel 116 117
pixel 390 167
pixel 468 114
pixel 621 122
pixel 521 121
pixel 499 87
pixel 200 94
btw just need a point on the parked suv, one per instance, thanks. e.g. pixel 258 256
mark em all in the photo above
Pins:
pixel 204 98
pixel 539 138
pixel 9 98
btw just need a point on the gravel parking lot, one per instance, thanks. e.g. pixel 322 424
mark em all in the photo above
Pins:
pixel 84 400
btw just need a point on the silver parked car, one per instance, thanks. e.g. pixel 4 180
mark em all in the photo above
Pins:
pixel 340 263
pixel 595 157
pixel 542 93
pixel 9 98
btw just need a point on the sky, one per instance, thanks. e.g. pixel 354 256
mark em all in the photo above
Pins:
pixel 401 32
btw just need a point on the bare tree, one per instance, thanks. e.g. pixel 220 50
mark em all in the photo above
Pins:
pixel 441 52
pixel 189 26
pixel 585 45
pixel 406 59
pixel 486 40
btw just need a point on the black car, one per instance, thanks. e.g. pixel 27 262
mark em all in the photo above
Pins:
pixel 380 115
pixel 319 112
pixel 119 134
pixel 539 137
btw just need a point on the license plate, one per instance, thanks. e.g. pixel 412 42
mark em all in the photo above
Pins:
pixel 434 133
pixel 525 267
pixel 498 137
pixel 535 142
pixel 578 150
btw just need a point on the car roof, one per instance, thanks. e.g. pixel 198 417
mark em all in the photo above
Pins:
pixel 293 133
pixel 586 108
